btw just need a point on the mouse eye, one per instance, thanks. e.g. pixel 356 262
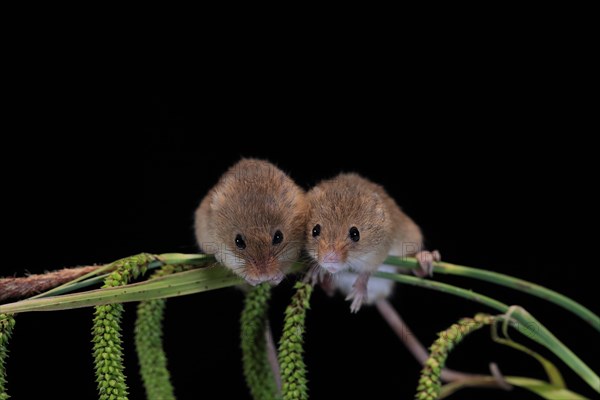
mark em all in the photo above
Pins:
pixel 316 230
pixel 278 237
pixel 354 234
pixel 239 242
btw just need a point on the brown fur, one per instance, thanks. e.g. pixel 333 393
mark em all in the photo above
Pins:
pixel 255 199
pixel 350 200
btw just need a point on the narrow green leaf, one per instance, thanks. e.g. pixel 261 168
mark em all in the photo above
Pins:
pixel 505 280
pixel 543 389
pixel 98 273
pixel 554 375
pixel 101 273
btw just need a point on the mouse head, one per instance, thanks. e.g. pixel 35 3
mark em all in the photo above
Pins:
pixel 259 215
pixel 346 225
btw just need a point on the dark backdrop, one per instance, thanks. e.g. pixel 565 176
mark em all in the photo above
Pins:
pixel 490 169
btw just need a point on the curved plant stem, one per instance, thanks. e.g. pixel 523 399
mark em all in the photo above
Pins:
pixel 293 369
pixel 412 343
pixel 272 357
pixel 524 323
pixel 483 381
pixel 505 280
pixel 7 323
pixel 108 349
pixel 430 383
pixel 257 370
pixel 148 344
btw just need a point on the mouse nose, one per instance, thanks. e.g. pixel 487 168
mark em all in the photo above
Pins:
pixel 332 257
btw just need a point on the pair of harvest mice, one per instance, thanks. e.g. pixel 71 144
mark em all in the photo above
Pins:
pixel 256 221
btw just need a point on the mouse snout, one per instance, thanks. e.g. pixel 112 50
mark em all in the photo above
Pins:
pixel 260 272
pixel 332 257
pixel 333 262
pixel 272 279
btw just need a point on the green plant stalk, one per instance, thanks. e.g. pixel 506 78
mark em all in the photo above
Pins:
pixel 505 280
pixel 525 323
pixel 98 275
pixel 209 278
pixel 257 371
pixel 7 323
pixel 293 369
pixel 411 263
pixel 180 284
pixel 430 382
pixel 148 344
pixel 108 348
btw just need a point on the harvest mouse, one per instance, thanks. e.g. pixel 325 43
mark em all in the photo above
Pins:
pixel 353 224
pixel 253 221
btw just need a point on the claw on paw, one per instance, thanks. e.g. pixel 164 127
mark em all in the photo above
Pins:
pixel 426 260
pixel 358 297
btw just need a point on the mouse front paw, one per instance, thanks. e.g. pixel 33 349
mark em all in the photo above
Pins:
pixel 358 297
pixel 426 260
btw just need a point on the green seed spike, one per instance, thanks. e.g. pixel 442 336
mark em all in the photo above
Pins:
pixel 430 383
pixel 106 331
pixel 7 323
pixel 257 371
pixel 293 369
pixel 148 344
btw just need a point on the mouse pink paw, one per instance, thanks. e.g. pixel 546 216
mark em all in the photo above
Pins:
pixel 426 260
pixel 358 297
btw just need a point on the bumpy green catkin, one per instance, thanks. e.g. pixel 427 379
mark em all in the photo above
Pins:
pixel 257 371
pixel 149 347
pixel 108 349
pixel 7 323
pixel 293 369
pixel 430 383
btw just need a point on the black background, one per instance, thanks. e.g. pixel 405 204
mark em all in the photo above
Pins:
pixel 486 161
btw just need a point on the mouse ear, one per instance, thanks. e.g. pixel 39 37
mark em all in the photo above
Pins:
pixel 217 200
pixel 315 191
pixel 379 208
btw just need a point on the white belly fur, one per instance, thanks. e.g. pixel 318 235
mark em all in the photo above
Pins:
pixel 377 288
